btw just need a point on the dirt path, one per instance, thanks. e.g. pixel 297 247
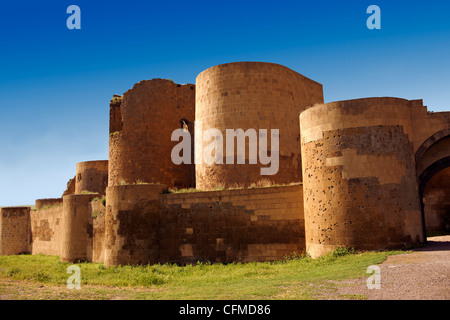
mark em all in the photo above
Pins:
pixel 421 275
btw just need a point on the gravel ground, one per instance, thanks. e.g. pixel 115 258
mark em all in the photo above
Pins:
pixel 421 275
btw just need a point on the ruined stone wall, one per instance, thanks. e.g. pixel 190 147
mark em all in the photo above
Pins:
pixel 232 225
pixel 15 230
pixel 360 188
pixel 92 176
pixel 70 187
pixel 47 230
pixel 141 125
pixel 255 95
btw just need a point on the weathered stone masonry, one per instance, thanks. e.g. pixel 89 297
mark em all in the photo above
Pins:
pixel 367 173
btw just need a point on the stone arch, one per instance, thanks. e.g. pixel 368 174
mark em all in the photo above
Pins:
pixel 429 162
pixel 425 175
pixel 429 142
pixel 429 172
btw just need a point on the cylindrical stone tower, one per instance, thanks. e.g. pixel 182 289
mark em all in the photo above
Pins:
pixel 77 230
pixel 359 180
pixel 141 127
pixel 251 96
pixel 131 224
pixel 92 176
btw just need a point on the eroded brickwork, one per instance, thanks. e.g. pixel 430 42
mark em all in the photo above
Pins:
pixel 144 226
pixel 261 224
pixel 360 184
pixel 15 230
pixel 140 145
pixel 131 224
pixel 47 230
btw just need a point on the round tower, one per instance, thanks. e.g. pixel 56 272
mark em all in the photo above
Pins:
pixel 251 96
pixel 359 180
pixel 131 224
pixel 141 127
pixel 92 176
pixel 76 225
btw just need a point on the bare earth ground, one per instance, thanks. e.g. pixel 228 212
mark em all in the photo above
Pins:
pixel 421 275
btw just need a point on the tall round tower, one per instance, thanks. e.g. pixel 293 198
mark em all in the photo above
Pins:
pixel 251 96
pixel 359 180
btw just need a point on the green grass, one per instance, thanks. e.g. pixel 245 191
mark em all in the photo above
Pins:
pixel 51 206
pixel 88 192
pixel 115 100
pixel 293 278
pixel 260 184
pixel 102 200
pixel 115 133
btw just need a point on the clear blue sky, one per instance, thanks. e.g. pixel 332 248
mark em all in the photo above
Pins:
pixel 55 83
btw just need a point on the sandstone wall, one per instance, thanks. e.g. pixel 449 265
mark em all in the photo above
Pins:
pixel 142 122
pixel 15 230
pixel 144 226
pixel 92 176
pixel 425 124
pixel 46 203
pixel 360 187
pixel 253 95
pixel 47 230
pixel 232 225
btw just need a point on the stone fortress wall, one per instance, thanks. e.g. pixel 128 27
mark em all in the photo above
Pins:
pixel 367 173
